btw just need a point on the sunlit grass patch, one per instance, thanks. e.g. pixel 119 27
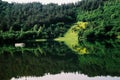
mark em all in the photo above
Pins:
pixel 81 50
pixel 71 37
pixel 118 36
pixel 79 26
pixel 40 40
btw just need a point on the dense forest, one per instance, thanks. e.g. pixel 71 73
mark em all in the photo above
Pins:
pixel 35 20
pixel 81 37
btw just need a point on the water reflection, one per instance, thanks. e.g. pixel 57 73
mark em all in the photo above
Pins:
pixel 67 76
pixel 38 59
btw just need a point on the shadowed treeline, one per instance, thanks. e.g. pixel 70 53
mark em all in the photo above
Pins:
pixel 35 20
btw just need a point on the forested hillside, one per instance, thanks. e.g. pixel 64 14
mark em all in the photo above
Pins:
pixel 104 21
pixel 35 20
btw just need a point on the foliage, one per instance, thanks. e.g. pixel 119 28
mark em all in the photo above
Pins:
pixel 35 20
pixel 37 59
pixel 30 14
pixel 103 21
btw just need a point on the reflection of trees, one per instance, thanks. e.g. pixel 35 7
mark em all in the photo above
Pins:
pixel 80 49
pixel 56 58
pixel 28 64
pixel 71 37
pixel 18 64
pixel 103 58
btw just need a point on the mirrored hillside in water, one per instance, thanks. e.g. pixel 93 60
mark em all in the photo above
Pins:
pixel 45 58
pixel 74 41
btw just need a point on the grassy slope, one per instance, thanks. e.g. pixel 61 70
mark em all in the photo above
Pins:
pixel 71 38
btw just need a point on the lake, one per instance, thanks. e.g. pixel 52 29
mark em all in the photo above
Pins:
pixel 52 60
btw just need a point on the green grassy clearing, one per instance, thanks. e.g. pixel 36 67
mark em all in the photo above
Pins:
pixel 71 38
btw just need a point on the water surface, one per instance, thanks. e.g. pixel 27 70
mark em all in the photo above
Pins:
pixel 57 61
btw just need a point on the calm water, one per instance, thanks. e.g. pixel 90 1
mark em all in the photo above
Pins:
pixel 59 61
